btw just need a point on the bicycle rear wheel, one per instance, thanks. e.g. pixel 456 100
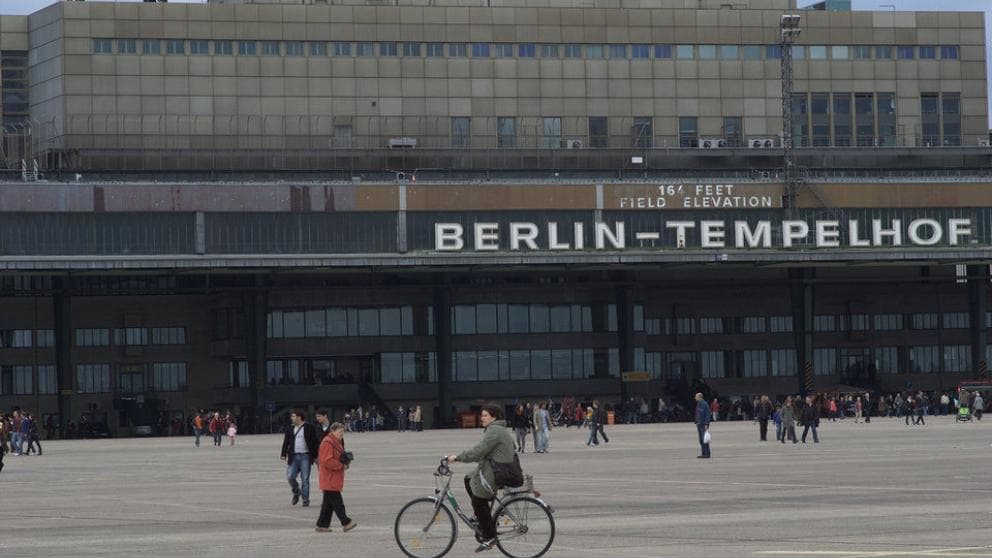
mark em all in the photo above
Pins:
pixel 524 527
pixel 425 530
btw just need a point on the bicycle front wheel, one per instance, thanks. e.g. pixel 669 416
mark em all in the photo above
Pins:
pixel 524 528
pixel 425 529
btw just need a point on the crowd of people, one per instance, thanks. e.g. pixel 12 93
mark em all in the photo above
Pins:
pixel 214 424
pixel 19 434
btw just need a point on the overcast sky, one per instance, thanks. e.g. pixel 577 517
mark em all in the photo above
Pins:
pixel 29 6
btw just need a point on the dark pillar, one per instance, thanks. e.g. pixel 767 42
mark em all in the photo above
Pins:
pixel 442 334
pixel 62 304
pixel 978 280
pixel 255 339
pixel 625 333
pixel 801 293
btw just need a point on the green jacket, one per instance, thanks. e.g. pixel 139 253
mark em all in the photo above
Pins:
pixel 496 443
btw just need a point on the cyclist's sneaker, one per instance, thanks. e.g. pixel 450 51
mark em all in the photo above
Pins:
pixel 486 545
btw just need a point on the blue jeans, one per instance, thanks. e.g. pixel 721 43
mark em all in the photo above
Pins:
pixel 16 442
pixel 197 432
pixel 300 466
pixel 705 447
pixel 543 437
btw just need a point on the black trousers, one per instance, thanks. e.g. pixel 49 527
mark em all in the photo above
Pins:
pixel 763 429
pixel 599 428
pixel 483 513
pixel 333 503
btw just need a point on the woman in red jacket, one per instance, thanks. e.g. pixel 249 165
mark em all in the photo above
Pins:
pixel 332 480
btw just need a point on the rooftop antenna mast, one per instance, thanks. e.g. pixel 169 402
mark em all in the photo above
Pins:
pixel 788 32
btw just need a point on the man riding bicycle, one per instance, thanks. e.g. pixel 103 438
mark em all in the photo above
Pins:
pixel 496 445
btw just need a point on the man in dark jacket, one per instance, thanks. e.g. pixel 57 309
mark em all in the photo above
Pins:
pixel 811 419
pixel 299 451
pixel 763 411
pixel 703 416
pixel 599 418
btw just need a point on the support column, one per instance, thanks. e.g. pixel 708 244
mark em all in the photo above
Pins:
pixel 978 281
pixel 255 339
pixel 442 334
pixel 62 305
pixel 801 293
pixel 625 333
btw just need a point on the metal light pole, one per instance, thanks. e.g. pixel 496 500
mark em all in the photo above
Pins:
pixel 788 32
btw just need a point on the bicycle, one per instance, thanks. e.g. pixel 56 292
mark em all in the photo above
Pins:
pixel 426 527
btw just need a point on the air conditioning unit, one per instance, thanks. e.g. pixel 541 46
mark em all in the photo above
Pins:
pixel 571 144
pixel 402 143
pixel 712 143
pixel 768 143
pixel 760 143
pixel 983 143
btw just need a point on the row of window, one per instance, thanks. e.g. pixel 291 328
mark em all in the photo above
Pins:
pixel 827 361
pixel 518 50
pixel 784 324
pixel 470 319
pixel 26 338
pixel 94 378
pixel 869 119
pixel 121 336
pixel 542 364
pixel 161 376
pixel 340 322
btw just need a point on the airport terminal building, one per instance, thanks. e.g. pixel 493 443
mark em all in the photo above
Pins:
pixel 263 205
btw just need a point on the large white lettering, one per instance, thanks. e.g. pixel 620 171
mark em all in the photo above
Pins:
pixel 878 234
pixel 448 236
pixel 793 231
pixel 553 243
pixel 617 238
pixel 827 234
pixel 936 232
pixel 486 236
pixel 523 233
pixel 711 234
pixel 759 237
pixel 956 228
pixel 853 240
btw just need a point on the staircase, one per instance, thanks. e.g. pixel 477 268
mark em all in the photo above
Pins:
pixel 367 394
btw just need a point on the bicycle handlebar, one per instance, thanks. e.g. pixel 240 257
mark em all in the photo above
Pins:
pixel 443 469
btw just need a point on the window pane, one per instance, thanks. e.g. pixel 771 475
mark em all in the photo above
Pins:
pixel 818 52
pixel 707 52
pixel 518 318
pixel 751 52
pixel 662 51
pixel 488 366
pixel 595 51
pixel 390 321
pixel 464 319
pixel 368 321
pixel 684 52
pixel 729 52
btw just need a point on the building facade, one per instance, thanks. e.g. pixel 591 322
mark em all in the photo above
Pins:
pixel 448 204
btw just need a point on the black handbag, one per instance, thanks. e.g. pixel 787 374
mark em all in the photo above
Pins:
pixel 347 457
pixel 508 475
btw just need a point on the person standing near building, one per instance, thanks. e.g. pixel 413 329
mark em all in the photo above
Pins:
pixel 299 450
pixel 811 419
pixel 15 431
pixel 232 430
pixel 418 419
pixel 216 427
pixel 945 403
pixel 703 415
pixel 34 439
pixel 858 410
pixel 197 427
pixel 542 425
pixel 400 419
pixel 715 409
pixel 331 466
pixel 763 411
pixel 867 408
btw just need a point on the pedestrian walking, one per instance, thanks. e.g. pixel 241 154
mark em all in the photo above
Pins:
pixel 400 419
pixel 920 408
pixel 299 450
pixel 590 423
pixel 858 410
pixel 323 425
pixel 777 418
pixel 519 424
pixel 763 411
pixel 600 418
pixel 788 421
pixel 542 424
pixel 197 427
pixel 418 420
pixel 332 461
pixel 703 415
pixel 978 404
pixel 34 439
pixel 715 409
pixel 4 432
pixel 216 427
pixel 811 419
pixel 867 408
pixel 232 431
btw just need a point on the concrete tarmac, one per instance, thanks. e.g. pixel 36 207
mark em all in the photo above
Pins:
pixel 883 489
